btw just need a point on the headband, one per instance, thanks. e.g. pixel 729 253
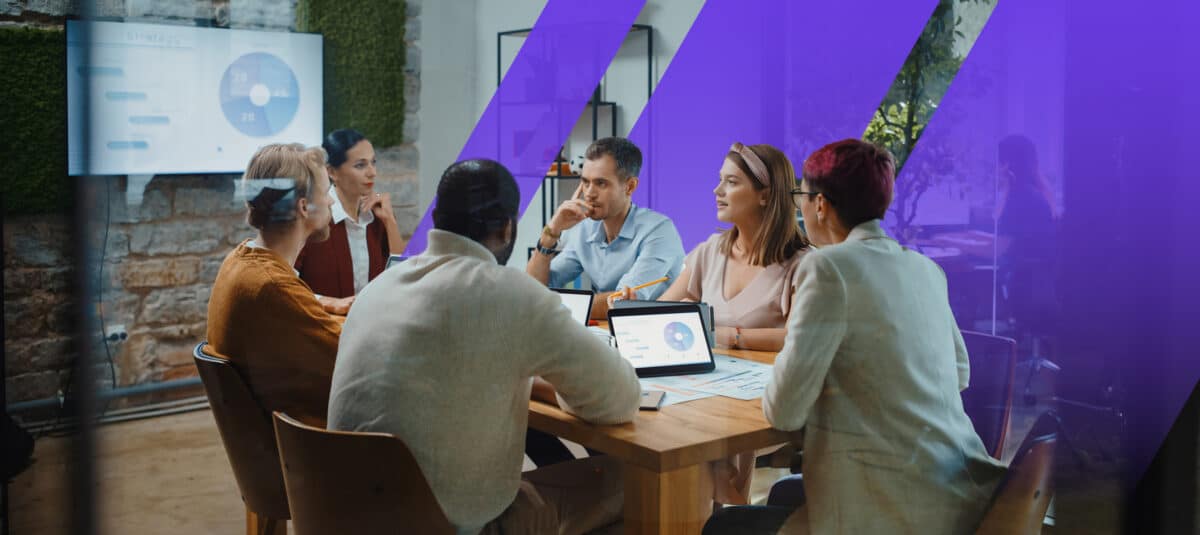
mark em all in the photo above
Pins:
pixel 276 195
pixel 753 162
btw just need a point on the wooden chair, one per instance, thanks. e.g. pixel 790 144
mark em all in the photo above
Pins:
pixel 363 483
pixel 1019 504
pixel 988 400
pixel 249 442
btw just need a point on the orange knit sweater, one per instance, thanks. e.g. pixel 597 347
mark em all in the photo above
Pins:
pixel 268 323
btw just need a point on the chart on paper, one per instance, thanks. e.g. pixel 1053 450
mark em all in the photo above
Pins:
pixel 734 378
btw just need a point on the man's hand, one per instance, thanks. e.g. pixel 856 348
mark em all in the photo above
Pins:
pixel 339 307
pixel 570 213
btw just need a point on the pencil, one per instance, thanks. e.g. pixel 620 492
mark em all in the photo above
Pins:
pixel 649 284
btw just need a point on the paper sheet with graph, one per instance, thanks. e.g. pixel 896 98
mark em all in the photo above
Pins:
pixel 735 378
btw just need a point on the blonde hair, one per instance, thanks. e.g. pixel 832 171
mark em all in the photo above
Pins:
pixel 779 237
pixel 281 160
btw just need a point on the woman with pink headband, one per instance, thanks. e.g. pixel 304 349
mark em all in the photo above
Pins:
pixel 747 273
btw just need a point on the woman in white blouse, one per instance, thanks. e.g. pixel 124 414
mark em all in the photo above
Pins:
pixel 363 232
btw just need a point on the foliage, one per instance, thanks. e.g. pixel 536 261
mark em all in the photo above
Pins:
pixel 33 110
pixel 364 64
pixel 914 96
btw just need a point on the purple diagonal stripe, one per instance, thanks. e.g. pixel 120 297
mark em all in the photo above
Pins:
pixel 1129 283
pixel 1102 93
pixel 544 91
pixel 792 74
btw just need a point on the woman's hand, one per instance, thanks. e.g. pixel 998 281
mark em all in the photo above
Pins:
pixel 623 293
pixel 381 206
pixel 333 305
pixel 726 336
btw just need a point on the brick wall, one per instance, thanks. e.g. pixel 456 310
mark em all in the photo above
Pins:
pixel 160 256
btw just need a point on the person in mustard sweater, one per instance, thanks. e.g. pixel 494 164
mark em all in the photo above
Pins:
pixel 261 316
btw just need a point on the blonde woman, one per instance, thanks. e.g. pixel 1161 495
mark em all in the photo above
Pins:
pixel 261 316
pixel 746 272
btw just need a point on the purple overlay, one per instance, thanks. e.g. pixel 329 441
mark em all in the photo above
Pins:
pixel 770 71
pixel 1055 183
pixel 544 91
pixel 1064 124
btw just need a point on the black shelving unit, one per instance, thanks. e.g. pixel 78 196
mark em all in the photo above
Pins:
pixel 550 181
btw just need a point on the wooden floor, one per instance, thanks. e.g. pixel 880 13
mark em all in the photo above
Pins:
pixel 166 474
pixel 169 474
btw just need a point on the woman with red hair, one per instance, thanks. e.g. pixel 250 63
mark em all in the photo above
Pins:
pixel 871 368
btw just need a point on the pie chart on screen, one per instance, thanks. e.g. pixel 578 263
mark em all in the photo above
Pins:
pixel 259 94
pixel 678 336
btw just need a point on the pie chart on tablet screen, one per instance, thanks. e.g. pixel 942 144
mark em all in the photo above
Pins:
pixel 678 336
pixel 259 94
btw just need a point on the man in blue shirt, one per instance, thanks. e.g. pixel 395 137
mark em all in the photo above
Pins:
pixel 616 243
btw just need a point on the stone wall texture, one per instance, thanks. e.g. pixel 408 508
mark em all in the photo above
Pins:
pixel 157 259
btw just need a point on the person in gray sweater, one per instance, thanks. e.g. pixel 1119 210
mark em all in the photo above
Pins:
pixel 444 350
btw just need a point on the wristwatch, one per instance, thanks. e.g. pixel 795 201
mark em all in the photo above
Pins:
pixel 551 251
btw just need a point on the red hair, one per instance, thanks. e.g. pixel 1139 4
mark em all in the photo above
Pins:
pixel 856 177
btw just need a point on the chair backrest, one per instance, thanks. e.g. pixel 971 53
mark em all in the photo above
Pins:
pixel 344 482
pixel 989 398
pixel 246 432
pixel 1019 504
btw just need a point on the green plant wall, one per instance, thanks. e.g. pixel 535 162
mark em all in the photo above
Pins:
pixel 364 64
pixel 33 122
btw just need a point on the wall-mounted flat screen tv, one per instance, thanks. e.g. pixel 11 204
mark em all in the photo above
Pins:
pixel 157 99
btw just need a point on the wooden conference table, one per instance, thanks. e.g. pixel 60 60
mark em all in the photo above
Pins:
pixel 668 484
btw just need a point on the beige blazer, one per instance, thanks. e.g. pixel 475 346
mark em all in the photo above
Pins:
pixel 872 367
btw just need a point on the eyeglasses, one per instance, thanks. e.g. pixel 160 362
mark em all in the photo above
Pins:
pixel 798 191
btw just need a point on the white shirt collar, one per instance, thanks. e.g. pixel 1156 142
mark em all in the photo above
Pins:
pixel 365 217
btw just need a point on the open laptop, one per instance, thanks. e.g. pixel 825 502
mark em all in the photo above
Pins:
pixel 706 313
pixel 667 339
pixel 577 302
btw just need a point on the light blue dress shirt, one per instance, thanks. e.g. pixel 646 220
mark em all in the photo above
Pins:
pixel 648 247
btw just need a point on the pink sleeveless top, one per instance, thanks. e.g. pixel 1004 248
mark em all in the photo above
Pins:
pixel 762 304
